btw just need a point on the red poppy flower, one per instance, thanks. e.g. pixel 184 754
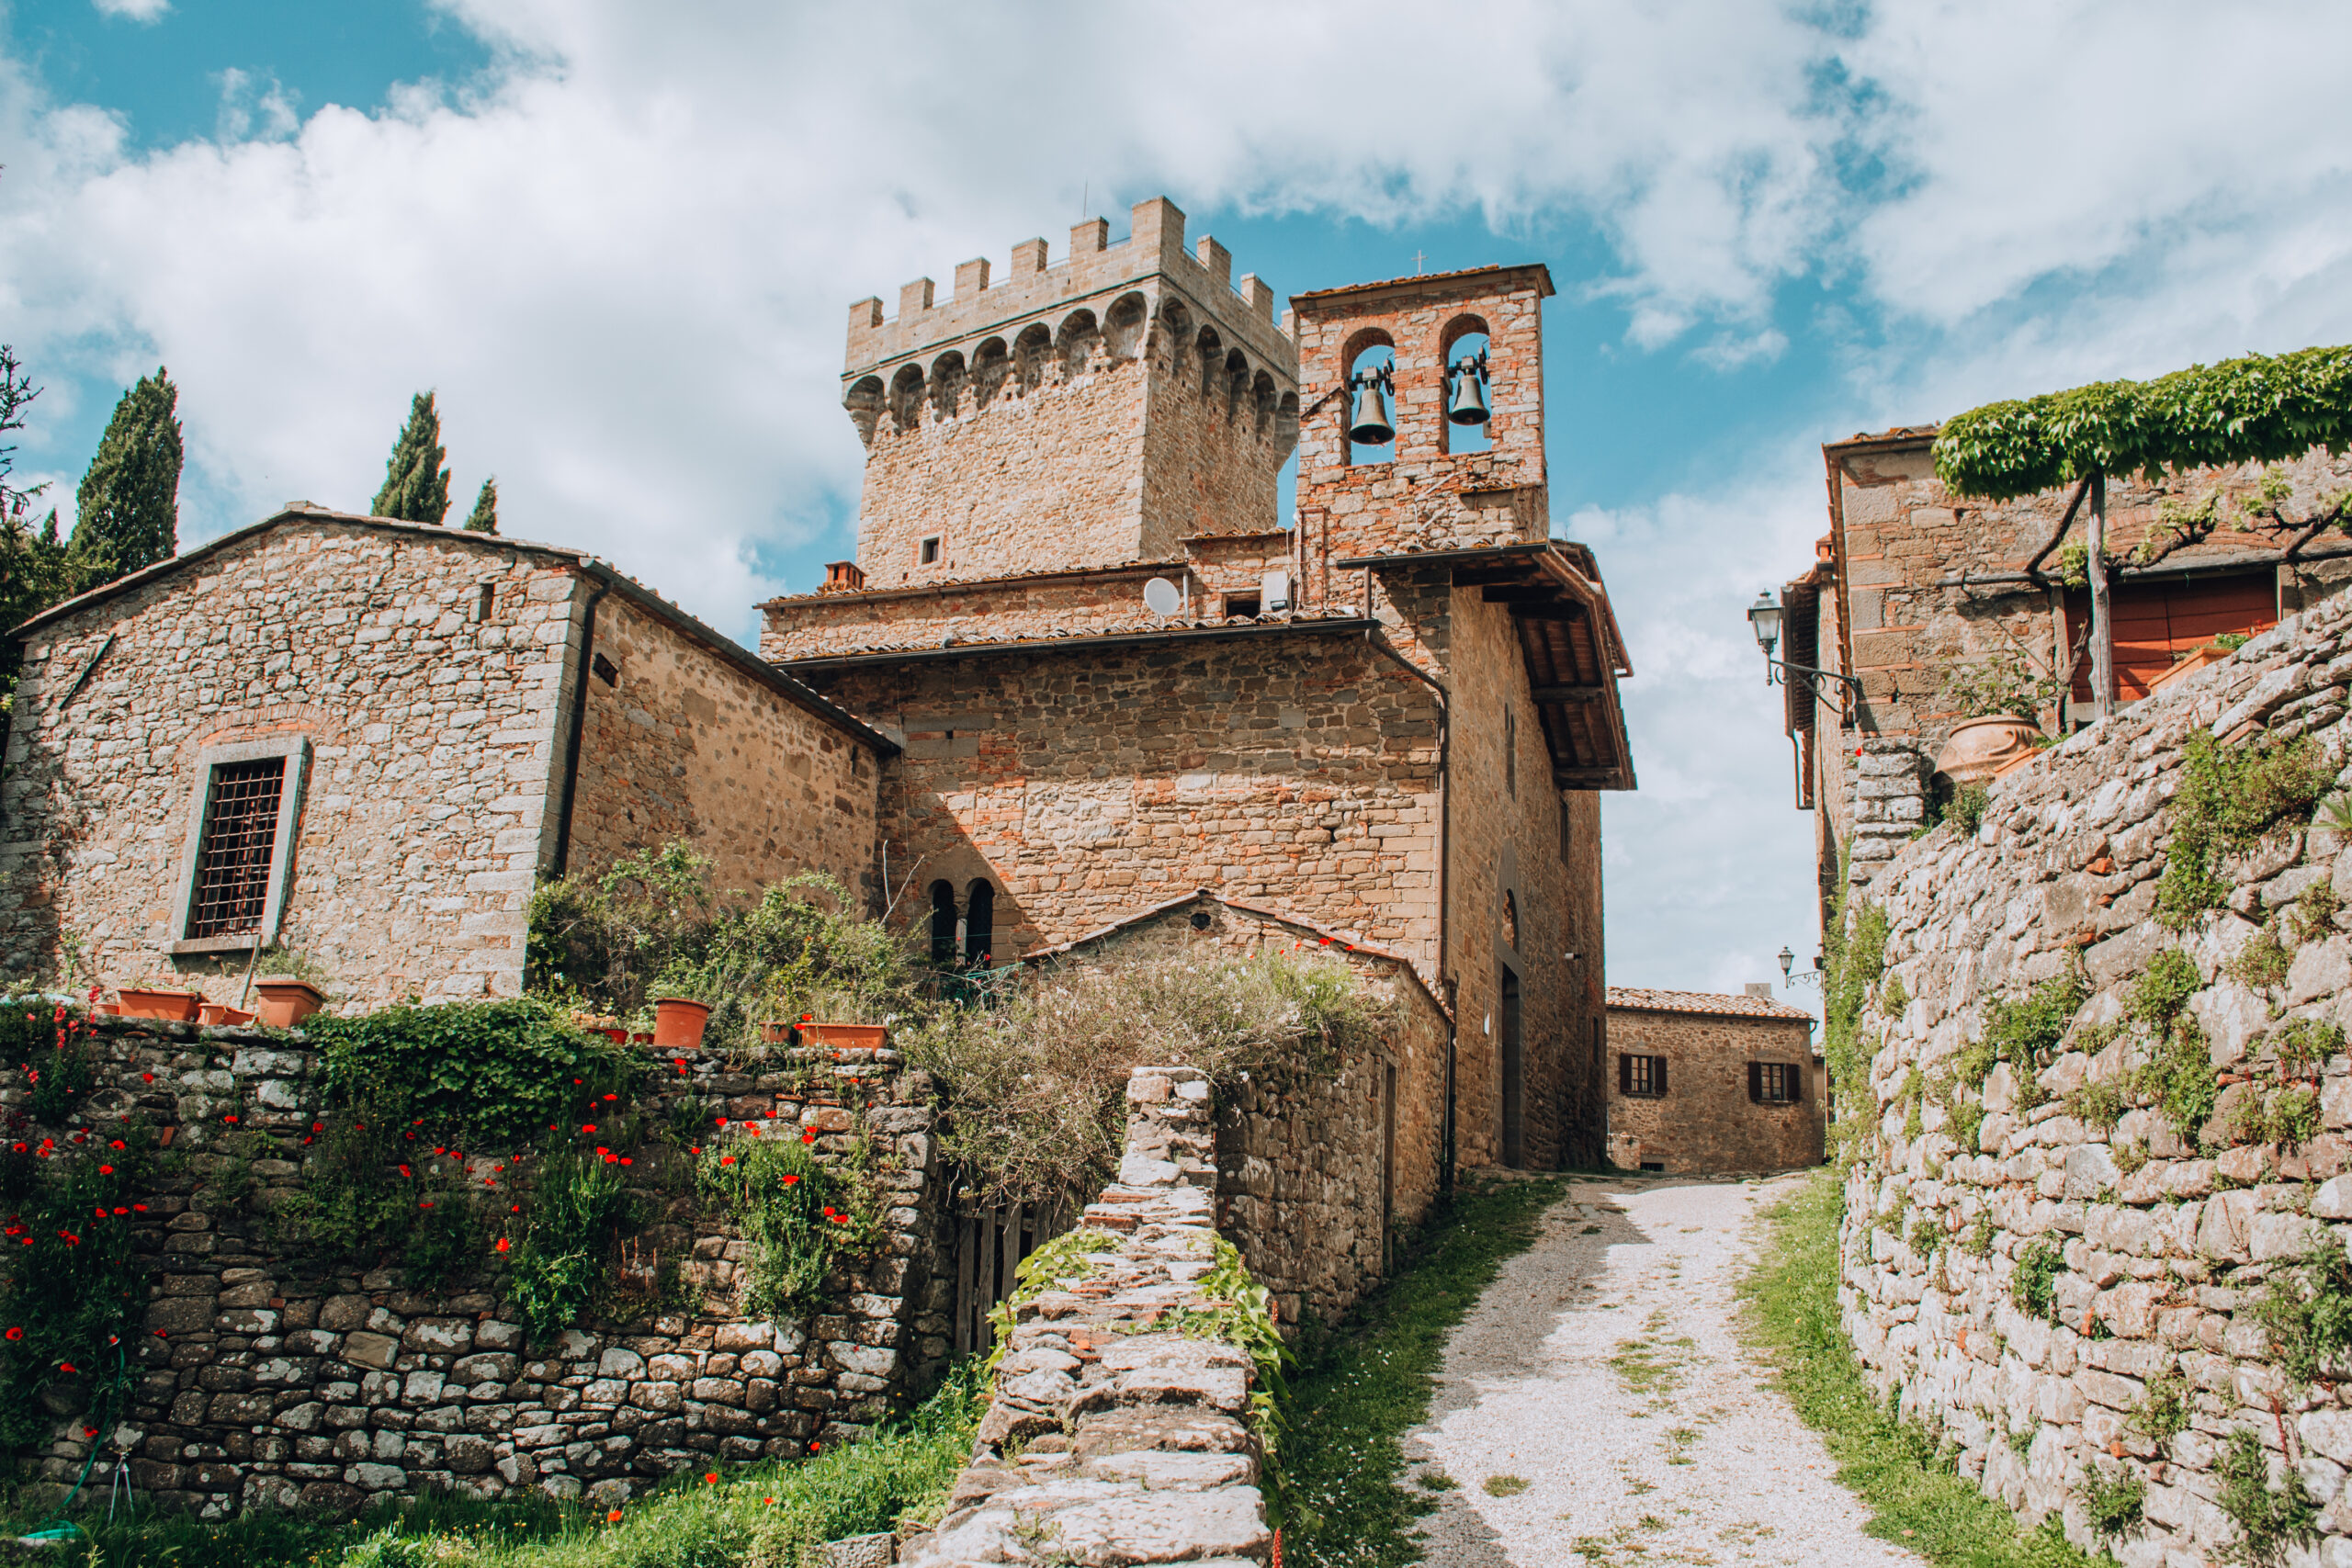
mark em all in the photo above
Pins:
pixel 712 1478
pixel 147 1076
pixel 626 1160
pixel 16 1334
pixel 501 1243
pixel 694 1149
pixel 809 1136
pixel 515 1208
pixel 750 1129
pixel 229 1118
pixel 589 1127
pixel 105 1170
pixel 727 1159
pixel 139 1208
pixel 161 1335
pixel 116 1144
pixel 814 1446
pixel 612 1097
pixel 405 1171
pixel 722 1121
pixel 122 1211
pixel 613 1517
pixel 790 1179
pixel 66 1365
pixel 318 1126
pixel 427 1203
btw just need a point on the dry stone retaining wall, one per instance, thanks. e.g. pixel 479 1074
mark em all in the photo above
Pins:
pixel 281 1383
pixel 1110 1439
pixel 2168 1238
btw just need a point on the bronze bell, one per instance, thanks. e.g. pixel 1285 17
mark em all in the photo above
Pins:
pixel 1469 405
pixel 1371 425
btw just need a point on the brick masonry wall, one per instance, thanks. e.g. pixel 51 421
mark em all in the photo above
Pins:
pixel 1705 1122
pixel 2163 1261
pixel 1426 498
pixel 1090 785
pixel 682 744
pixel 285 1384
pixel 432 736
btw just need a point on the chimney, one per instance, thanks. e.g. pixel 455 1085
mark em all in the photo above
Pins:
pixel 844 576
pixel 1760 988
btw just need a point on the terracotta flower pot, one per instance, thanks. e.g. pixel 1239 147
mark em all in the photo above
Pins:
pixel 678 1023
pixel 779 1032
pixel 1979 747
pixel 846 1036
pixel 2198 659
pixel 284 1003
pixel 177 1005
pixel 105 1010
pixel 222 1015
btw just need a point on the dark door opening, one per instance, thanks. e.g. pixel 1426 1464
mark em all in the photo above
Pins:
pixel 1514 1074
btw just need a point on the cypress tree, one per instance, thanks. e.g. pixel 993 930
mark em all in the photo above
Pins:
pixel 483 518
pixel 416 486
pixel 128 502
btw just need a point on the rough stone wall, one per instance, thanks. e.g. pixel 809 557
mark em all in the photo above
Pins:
pixel 1110 1441
pixel 267 1381
pixel 1427 497
pixel 1090 785
pixel 1046 603
pixel 2168 1236
pixel 1705 1122
pixel 1524 891
pixel 682 744
pixel 1090 413
pixel 433 737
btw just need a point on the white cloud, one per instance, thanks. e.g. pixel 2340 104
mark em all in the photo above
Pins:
pixel 623 260
pixel 133 10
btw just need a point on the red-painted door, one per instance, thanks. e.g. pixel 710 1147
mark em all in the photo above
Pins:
pixel 2157 622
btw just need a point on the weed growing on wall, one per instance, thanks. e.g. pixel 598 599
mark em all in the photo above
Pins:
pixel 2229 797
pixel 2024 1032
pixel 2114 1503
pixel 1853 960
pixel 556 1253
pixel 2268 1521
pixel 799 1216
pixel 2306 1313
pixel 2033 1288
pixel 2302 1043
pixel 2166 1408
pixel 495 1072
pixel 2179 1078
pixel 48 1040
pixel 2263 962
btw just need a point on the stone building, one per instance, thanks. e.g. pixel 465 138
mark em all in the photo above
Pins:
pixel 365 740
pixel 1709 1084
pixel 1913 589
pixel 1387 722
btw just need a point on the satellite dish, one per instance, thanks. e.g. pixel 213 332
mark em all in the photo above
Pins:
pixel 1162 597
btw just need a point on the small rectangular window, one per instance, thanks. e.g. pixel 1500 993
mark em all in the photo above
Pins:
pixel 1775 1083
pixel 1242 604
pixel 1641 1076
pixel 1657 1165
pixel 488 603
pixel 931 551
pixel 239 831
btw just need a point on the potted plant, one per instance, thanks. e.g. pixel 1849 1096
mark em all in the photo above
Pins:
pixel 678 1022
pixel 221 1015
pixel 844 1021
pixel 286 1001
pixel 1999 698
pixel 159 1001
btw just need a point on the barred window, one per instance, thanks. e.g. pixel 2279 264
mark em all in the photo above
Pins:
pixel 1774 1083
pixel 1641 1075
pixel 232 863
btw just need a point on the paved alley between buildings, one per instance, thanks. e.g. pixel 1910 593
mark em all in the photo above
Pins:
pixel 1597 1407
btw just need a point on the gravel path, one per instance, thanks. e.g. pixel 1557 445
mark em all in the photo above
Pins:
pixel 1601 1388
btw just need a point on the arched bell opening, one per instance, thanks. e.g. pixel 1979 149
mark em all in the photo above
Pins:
pixel 1469 398
pixel 1370 407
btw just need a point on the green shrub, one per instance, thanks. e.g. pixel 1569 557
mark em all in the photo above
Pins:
pixel 1853 960
pixel 2229 797
pixel 2263 962
pixel 2033 1289
pixel 1979 1241
pixel 2293 1116
pixel 2269 1522
pixel 2162 988
pixel 2113 1503
pixel 2164 1411
pixel 2096 1105
pixel 2306 1312
pixel 1968 807
pixel 2302 1043
pixel 799 1216
pixel 2178 1075
pixel 2314 914
pixel 557 1251
pixel 502 1071
pixel 2026 1031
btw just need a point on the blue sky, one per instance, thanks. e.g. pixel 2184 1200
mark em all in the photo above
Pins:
pixel 619 240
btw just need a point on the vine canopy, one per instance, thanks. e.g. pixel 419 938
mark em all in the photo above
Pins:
pixel 2257 409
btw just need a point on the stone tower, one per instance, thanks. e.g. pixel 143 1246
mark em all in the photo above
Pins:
pixel 1092 412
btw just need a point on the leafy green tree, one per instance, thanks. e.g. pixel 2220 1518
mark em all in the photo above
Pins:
pixel 34 570
pixel 129 504
pixel 416 486
pixel 483 518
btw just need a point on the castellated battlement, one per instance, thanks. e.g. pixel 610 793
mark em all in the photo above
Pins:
pixel 1089 413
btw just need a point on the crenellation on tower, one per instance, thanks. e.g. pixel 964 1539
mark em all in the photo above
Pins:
pixel 1088 412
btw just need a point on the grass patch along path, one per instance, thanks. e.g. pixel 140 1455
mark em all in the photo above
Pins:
pixel 1792 1301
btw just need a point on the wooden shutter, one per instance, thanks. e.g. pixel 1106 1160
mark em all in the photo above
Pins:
pixel 1796 1083
pixel 1756 1081
pixel 1658 1075
pixel 1624 1075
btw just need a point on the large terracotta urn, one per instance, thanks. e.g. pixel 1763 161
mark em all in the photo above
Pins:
pixel 1979 747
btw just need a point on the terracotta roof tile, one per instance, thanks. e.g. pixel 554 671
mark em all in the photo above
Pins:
pixel 1645 999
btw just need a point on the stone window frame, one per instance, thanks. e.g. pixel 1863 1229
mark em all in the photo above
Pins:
pixel 1759 1085
pixel 931 549
pixel 296 751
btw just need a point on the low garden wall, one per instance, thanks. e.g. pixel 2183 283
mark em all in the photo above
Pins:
pixel 265 1373
pixel 2098 1109
pixel 1123 1423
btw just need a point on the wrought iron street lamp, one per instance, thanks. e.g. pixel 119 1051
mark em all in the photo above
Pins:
pixel 1765 617
pixel 1810 978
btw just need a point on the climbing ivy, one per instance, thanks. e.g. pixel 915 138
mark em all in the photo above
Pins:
pixel 1853 960
pixel 2034 1290
pixel 500 1071
pixel 2260 408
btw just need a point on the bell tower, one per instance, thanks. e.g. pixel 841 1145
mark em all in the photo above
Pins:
pixel 1092 412
pixel 1452 367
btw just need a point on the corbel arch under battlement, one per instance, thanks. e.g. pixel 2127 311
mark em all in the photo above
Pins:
pixel 864 401
pixel 1123 327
